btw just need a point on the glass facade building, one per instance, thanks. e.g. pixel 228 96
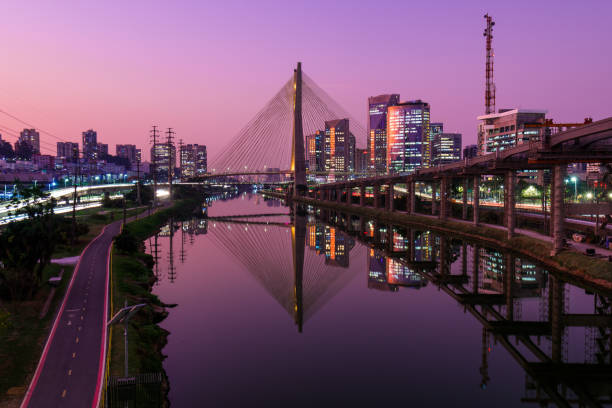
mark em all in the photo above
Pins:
pixel 337 145
pixel 193 160
pixel 407 136
pixel 435 130
pixel 446 148
pixel 377 130
pixel 315 153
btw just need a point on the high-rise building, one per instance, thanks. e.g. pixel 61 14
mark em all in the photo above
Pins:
pixel 377 130
pixel 505 129
pixel 68 151
pixel 315 151
pixel 31 137
pixel 164 157
pixel 127 151
pixel 470 151
pixel 446 148
pixel 407 136
pixel 361 160
pixel 193 160
pixel 90 145
pixel 102 151
pixel 337 145
pixel 435 129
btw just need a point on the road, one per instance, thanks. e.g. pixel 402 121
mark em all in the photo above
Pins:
pixel 71 369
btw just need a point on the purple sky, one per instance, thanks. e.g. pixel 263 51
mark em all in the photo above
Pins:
pixel 205 68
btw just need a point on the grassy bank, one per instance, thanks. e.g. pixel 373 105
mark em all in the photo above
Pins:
pixel 132 279
pixel 23 334
pixel 574 266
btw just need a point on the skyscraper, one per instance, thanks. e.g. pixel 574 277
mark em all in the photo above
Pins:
pixel 337 145
pixel 377 130
pixel 90 145
pixel 102 151
pixel 315 153
pixel 127 151
pixel 193 160
pixel 31 137
pixel 407 136
pixel 446 148
pixel 435 129
pixel 66 150
pixel 164 157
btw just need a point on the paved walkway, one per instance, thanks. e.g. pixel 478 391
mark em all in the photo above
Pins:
pixel 70 371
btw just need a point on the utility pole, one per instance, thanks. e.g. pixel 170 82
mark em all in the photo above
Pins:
pixel 154 135
pixel 489 84
pixel 138 198
pixel 181 159
pixel 171 163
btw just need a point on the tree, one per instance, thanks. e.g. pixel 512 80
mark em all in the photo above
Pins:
pixel 23 150
pixel 26 247
pixel 6 150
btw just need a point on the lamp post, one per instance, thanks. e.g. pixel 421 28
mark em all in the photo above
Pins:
pixel 575 180
pixel 123 316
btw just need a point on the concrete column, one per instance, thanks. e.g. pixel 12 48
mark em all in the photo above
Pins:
pixel 508 285
pixel 476 199
pixel 376 195
pixel 464 210
pixel 443 198
pixel 559 207
pixel 552 200
pixel 510 208
pixel 475 263
pixel 412 197
pixel 349 195
pixel 464 262
pixel 390 200
pixel 557 294
pixel 362 196
pixel 434 187
pixel 338 194
pixel 412 235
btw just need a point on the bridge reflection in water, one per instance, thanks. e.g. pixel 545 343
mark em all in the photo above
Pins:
pixel 490 284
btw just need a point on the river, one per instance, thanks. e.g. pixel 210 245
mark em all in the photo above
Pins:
pixel 308 308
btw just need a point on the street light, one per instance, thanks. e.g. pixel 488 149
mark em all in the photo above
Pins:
pixel 574 179
pixel 123 316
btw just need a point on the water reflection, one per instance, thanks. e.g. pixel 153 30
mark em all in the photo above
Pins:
pixel 303 263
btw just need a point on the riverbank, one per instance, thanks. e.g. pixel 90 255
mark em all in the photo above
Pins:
pixel 25 325
pixel 132 280
pixel 575 267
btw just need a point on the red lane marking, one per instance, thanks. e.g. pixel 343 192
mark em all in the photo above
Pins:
pixel 102 364
pixel 43 358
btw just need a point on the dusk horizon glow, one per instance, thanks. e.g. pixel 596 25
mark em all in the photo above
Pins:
pixel 206 69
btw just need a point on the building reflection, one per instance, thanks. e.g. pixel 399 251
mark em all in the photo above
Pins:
pixel 493 285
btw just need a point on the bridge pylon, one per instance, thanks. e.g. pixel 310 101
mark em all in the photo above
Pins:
pixel 298 159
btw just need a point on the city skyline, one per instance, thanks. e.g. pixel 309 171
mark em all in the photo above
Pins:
pixel 122 80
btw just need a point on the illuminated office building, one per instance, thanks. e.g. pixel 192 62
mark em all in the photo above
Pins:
pixel 377 272
pixel 446 148
pixel 377 130
pixel 435 130
pixel 193 160
pixel 164 158
pixel 315 151
pixel 337 146
pixel 505 129
pixel 407 136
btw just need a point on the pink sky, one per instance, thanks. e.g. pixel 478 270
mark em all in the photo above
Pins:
pixel 205 68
